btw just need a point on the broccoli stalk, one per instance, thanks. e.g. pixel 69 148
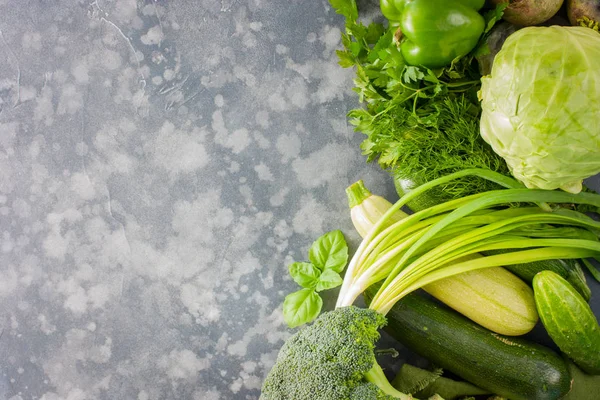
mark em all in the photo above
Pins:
pixel 333 359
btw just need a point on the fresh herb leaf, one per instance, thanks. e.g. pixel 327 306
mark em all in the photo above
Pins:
pixel 494 16
pixel 413 74
pixel 301 307
pixel 347 8
pixel 441 139
pixel 373 33
pixel 328 255
pixel 355 49
pixel 330 251
pixel 305 274
pixel 380 50
pixel 329 279
pixel 346 59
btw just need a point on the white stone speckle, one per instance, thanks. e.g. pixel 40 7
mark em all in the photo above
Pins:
pixel 182 364
pixel 289 146
pixel 153 36
pixel 308 219
pixel 178 151
pixel 327 164
pixel 82 186
pixel 80 71
pixel 262 119
pixel 281 49
pixel 264 173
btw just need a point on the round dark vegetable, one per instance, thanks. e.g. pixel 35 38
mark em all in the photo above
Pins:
pixel 529 12
pixel 579 10
pixel 499 33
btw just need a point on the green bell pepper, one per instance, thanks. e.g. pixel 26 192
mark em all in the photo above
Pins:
pixel 392 9
pixel 435 32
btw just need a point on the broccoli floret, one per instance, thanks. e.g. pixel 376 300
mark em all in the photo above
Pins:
pixel 332 359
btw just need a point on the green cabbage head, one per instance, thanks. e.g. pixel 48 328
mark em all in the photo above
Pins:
pixel 541 106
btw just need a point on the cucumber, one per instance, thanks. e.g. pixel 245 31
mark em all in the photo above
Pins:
pixel 568 319
pixel 510 367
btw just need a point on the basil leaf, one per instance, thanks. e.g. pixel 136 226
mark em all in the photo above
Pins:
pixel 330 251
pixel 301 307
pixel 329 279
pixel 305 274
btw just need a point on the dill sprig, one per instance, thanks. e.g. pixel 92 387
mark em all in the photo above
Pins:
pixel 417 150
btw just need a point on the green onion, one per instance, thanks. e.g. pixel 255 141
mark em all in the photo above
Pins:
pixel 429 245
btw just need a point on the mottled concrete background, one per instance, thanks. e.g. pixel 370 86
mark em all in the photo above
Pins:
pixel 161 162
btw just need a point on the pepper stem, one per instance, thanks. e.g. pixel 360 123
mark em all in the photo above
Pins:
pixel 398 35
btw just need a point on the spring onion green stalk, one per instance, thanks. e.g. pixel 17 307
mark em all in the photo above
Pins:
pixel 366 209
pixel 418 249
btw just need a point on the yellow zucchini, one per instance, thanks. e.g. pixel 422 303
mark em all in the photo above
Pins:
pixel 492 297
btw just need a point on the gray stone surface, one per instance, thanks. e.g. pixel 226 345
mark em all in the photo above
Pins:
pixel 161 162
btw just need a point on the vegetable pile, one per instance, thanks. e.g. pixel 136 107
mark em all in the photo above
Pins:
pixel 496 235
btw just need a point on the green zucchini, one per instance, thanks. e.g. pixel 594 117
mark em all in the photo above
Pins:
pixel 568 319
pixel 510 367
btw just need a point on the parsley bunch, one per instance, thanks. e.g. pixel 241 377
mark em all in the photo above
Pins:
pixel 420 124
